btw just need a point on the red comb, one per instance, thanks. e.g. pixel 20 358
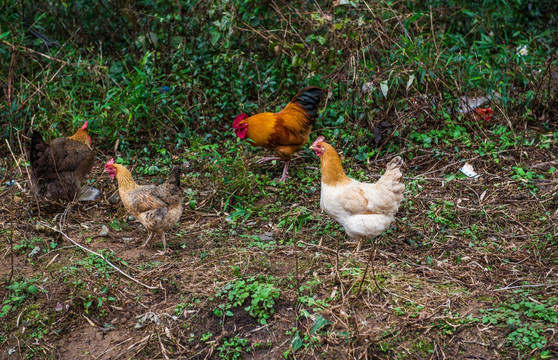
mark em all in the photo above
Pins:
pixel 84 127
pixel 109 163
pixel 239 118
pixel 485 114
pixel 320 139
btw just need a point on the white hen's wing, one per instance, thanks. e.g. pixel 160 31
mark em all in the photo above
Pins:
pixel 357 198
pixel 344 200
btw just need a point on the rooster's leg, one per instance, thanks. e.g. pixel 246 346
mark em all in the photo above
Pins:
pixel 265 159
pixel 148 238
pixel 285 170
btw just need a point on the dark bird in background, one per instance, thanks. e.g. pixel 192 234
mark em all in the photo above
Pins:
pixel 59 168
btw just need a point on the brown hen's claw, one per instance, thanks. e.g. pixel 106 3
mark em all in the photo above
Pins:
pixel 148 238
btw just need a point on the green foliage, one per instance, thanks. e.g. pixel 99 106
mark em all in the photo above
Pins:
pixel 19 291
pixel 527 320
pixel 232 348
pixel 93 265
pixel 169 70
pixel 35 245
pixel 160 82
pixel 257 293
pixel 443 213
pixel 309 339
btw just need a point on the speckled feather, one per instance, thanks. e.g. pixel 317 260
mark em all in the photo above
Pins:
pixel 157 207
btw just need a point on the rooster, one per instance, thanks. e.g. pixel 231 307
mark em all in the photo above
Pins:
pixel 59 168
pixel 157 207
pixel 284 132
pixel 364 210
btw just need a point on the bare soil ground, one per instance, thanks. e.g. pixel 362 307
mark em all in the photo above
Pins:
pixel 460 250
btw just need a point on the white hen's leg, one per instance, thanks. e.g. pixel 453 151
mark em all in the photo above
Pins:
pixel 148 238
pixel 266 159
pixel 359 244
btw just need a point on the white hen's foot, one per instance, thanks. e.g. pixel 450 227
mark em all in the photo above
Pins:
pixel 358 246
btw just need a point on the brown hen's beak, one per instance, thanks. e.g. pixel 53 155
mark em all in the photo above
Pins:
pixel 311 147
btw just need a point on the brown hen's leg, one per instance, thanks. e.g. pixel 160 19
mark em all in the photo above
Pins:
pixel 164 239
pixel 148 238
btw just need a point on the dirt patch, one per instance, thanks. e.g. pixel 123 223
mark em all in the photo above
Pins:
pixel 87 342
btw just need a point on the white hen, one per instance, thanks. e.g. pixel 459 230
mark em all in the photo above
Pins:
pixel 364 210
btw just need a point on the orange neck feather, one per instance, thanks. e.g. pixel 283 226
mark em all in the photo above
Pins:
pixel 332 170
pixel 124 178
pixel 260 128
pixel 82 136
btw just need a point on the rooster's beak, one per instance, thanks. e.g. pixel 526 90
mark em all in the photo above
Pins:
pixel 311 147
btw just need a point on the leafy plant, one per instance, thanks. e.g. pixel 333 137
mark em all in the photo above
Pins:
pixel 19 292
pixel 527 319
pixel 256 293
pixel 232 348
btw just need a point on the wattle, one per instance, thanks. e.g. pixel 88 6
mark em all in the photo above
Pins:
pixel 241 133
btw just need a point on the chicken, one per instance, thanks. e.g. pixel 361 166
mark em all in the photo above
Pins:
pixel 284 132
pixel 364 210
pixel 59 168
pixel 157 207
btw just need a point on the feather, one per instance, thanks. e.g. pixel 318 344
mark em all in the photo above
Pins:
pixel 364 210
pixel 284 132
pixel 59 168
pixel 157 207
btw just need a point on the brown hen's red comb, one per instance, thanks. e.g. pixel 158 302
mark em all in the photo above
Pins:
pixel 109 163
pixel 84 127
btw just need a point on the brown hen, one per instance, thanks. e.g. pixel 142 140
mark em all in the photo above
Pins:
pixel 157 207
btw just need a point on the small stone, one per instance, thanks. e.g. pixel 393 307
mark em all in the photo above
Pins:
pixel 89 193
pixel 104 231
pixel 266 236
pixel 35 251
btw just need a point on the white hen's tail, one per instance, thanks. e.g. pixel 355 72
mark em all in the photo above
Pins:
pixel 392 176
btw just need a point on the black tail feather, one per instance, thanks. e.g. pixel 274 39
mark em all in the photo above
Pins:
pixel 37 145
pixel 309 98
pixel 174 177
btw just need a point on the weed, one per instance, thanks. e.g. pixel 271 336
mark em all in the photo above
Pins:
pixel 232 348
pixel 19 292
pixel 527 319
pixel 257 291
